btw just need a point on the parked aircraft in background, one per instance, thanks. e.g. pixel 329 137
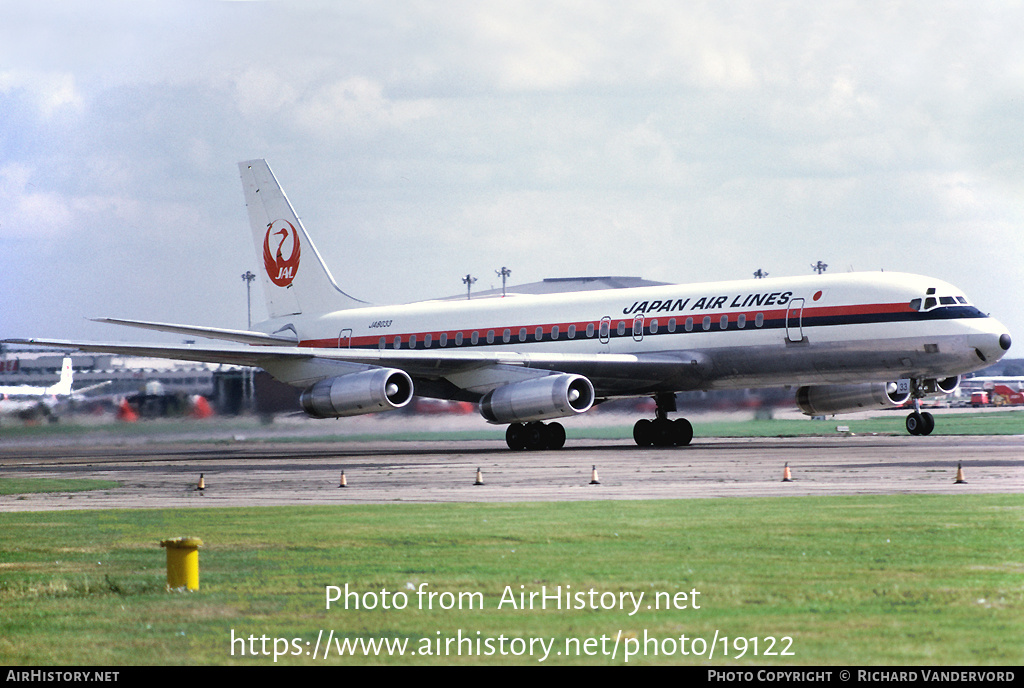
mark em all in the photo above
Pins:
pixel 847 342
pixel 27 400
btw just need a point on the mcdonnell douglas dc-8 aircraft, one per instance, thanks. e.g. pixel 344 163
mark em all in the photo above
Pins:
pixel 848 342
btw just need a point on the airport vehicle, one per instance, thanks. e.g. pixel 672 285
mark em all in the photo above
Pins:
pixel 28 401
pixel 846 341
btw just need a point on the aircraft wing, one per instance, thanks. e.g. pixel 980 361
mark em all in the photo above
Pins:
pixel 611 374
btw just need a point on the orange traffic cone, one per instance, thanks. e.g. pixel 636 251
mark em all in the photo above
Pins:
pixel 479 477
pixel 202 484
pixel 126 413
pixel 787 477
pixel 593 476
pixel 959 475
pixel 344 483
pixel 201 407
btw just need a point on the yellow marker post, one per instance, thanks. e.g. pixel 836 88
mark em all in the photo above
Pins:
pixel 182 562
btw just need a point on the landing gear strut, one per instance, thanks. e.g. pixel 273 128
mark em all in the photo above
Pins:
pixel 532 436
pixel 662 432
pixel 919 423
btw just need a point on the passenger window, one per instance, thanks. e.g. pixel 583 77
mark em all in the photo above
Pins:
pixel 741 321
pixel 759 320
pixel 707 322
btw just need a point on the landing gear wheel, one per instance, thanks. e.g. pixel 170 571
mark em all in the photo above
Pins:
pixel 532 436
pixel 682 431
pixel 920 423
pixel 663 432
pixel 554 436
pixel 515 437
pixel 928 423
pixel 643 433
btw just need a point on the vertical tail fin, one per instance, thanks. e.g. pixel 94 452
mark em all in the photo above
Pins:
pixel 63 387
pixel 295 278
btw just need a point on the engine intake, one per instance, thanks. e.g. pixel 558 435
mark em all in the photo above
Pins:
pixel 553 396
pixel 371 391
pixel 827 399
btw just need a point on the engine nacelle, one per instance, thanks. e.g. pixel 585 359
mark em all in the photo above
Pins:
pixel 827 399
pixel 379 389
pixel 947 385
pixel 553 396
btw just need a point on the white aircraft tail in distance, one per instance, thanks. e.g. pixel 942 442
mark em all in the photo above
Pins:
pixel 29 399
pixel 846 342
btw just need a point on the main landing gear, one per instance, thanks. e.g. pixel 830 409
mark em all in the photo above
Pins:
pixel 663 432
pixel 918 422
pixel 536 435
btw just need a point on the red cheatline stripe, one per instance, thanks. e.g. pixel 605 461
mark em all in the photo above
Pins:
pixel 372 341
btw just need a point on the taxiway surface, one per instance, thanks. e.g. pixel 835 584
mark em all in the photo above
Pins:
pixel 248 473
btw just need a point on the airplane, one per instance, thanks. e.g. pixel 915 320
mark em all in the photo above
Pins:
pixel 28 400
pixel 847 342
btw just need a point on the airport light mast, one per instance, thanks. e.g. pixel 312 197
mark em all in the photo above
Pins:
pixel 760 274
pixel 504 274
pixel 248 277
pixel 819 267
pixel 468 280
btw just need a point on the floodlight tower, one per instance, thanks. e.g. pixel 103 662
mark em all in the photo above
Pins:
pixel 760 274
pixel 468 280
pixel 248 277
pixel 819 267
pixel 503 273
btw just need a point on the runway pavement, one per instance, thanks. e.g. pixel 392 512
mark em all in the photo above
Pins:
pixel 265 473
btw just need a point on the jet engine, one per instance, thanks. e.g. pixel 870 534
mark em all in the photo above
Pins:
pixel 378 389
pixel 828 399
pixel 553 396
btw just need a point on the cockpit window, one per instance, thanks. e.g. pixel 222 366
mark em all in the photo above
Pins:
pixel 947 300
pixel 915 304
pixel 961 300
pixel 929 302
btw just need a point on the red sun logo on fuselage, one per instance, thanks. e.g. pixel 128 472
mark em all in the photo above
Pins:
pixel 281 270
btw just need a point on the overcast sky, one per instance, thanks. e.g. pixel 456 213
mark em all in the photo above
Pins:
pixel 421 141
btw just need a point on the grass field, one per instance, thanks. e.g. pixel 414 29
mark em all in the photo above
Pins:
pixel 614 426
pixel 850 580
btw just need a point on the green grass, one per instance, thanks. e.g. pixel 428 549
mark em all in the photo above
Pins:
pixel 618 427
pixel 9 486
pixel 852 580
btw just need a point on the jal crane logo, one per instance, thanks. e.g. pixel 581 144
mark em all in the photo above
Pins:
pixel 281 270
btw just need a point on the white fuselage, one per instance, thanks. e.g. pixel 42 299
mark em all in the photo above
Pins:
pixel 823 329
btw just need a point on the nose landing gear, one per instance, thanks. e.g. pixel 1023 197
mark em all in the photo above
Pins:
pixel 918 422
